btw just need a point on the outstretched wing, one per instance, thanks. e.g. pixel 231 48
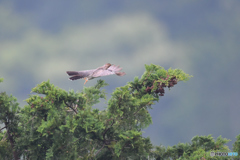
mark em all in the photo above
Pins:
pixel 110 70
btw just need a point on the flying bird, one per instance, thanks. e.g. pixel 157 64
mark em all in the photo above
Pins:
pixel 105 70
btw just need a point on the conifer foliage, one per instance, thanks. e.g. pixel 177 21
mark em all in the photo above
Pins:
pixel 57 124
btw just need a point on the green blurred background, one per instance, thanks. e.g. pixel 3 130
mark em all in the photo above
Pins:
pixel 40 40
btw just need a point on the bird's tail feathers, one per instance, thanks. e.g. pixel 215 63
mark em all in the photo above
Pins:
pixel 72 73
pixel 120 73
pixel 75 78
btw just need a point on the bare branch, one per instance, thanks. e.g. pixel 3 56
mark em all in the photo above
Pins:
pixel 12 142
pixel 99 150
pixel 71 108
pixel 2 128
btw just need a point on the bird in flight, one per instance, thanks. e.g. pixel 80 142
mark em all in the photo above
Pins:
pixel 105 70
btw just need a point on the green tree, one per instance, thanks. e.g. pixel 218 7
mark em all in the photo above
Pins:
pixel 9 116
pixel 199 148
pixel 57 124
pixel 236 147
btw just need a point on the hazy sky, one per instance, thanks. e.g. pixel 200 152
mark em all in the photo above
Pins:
pixel 40 40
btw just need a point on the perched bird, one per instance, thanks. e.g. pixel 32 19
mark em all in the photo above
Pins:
pixel 105 70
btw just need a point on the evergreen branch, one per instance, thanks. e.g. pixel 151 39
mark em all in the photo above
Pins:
pixel 31 119
pixel 110 119
pixel 61 147
pixel 106 132
pixel 3 139
pixel 138 110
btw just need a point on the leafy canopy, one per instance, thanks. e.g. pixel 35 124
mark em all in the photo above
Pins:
pixel 57 124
